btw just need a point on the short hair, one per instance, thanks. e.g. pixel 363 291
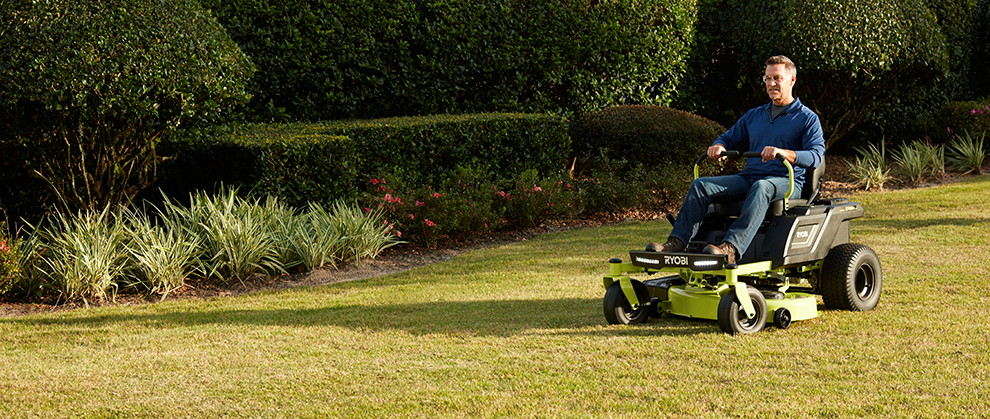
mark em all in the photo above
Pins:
pixel 788 64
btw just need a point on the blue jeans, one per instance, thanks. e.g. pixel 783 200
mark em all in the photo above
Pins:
pixel 758 193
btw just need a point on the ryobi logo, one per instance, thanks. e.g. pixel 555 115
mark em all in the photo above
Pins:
pixel 675 260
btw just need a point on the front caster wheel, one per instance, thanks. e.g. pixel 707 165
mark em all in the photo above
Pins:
pixel 782 318
pixel 617 307
pixel 732 316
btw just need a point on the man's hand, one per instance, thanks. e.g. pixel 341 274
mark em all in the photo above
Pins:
pixel 770 153
pixel 715 152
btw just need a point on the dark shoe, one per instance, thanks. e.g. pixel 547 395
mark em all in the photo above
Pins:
pixel 723 249
pixel 673 244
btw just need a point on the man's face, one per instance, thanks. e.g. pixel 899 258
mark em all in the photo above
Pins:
pixel 779 84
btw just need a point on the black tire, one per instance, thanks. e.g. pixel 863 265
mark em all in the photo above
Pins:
pixel 732 317
pixel 851 278
pixel 782 318
pixel 617 307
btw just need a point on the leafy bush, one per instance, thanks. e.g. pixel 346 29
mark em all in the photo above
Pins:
pixel 852 55
pixel 464 203
pixel 342 59
pixel 10 258
pixel 662 142
pixel 962 117
pixel 658 137
pixel 298 162
pixel 161 256
pixel 535 200
pixel 426 149
pixel 90 88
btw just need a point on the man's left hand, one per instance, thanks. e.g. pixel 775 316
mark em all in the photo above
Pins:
pixel 770 153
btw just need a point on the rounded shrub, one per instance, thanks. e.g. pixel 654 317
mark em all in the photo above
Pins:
pixel 90 88
pixel 658 137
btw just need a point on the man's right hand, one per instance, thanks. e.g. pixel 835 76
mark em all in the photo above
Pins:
pixel 715 152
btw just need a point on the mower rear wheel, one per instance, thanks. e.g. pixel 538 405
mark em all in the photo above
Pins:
pixel 617 308
pixel 851 278
pixel 732 317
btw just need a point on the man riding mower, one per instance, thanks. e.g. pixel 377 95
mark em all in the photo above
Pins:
pixel 801 248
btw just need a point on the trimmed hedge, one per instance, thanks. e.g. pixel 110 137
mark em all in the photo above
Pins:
pixel 339 59
pixel 655 136
pixel 295 162
pixel 321 162
pixel 424 149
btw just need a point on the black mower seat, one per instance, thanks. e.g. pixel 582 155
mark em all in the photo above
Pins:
pixel 812 187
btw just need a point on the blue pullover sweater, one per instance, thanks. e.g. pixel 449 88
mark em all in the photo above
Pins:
pixel 796 128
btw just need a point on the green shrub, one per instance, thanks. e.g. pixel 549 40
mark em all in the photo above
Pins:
pixel 298 163
pixel 658 137
pixel 534 200
pixel 162 256
pixel 426 149
pixel 464 203
pixel 852 56
pixel 340 59
pixel 662 141
pixel 90 88
pixel 10 259
pixel 958 118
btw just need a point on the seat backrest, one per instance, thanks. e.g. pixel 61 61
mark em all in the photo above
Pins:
pixel 813 183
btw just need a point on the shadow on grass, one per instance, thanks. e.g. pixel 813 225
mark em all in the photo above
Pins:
pixel 500 318
pixel 919 223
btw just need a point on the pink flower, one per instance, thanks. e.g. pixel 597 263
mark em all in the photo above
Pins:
pixel 537 188
pixel 436 194
pixel 374 181
pixel 398 233
pixel 412 216
pixel 419 204
pixel 388 197
pixel 366 209
pixel 430 223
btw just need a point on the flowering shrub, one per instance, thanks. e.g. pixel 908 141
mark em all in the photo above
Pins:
pixel 467 203
pixel 962 117
pixel 464 204
pixel 534 201
pixel 10 256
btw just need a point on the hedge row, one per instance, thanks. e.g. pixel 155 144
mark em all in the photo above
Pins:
pixel 320 162
pixel 424 149
pixel 339 59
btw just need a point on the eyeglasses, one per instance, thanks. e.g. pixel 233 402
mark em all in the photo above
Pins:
pixel 778 79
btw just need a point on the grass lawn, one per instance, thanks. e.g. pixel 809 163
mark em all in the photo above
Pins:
pixel 518 331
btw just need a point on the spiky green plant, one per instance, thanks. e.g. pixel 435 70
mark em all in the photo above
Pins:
pixel 363 234
pixel 870 168
pixel 918 161
pixel 966 153
pixel 161 256
pixel 316 241
pixel 235 242
pixel 87 254
pixel 283 224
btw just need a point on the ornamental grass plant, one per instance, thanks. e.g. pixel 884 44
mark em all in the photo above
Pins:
pixel 86 253
pixel 966 153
